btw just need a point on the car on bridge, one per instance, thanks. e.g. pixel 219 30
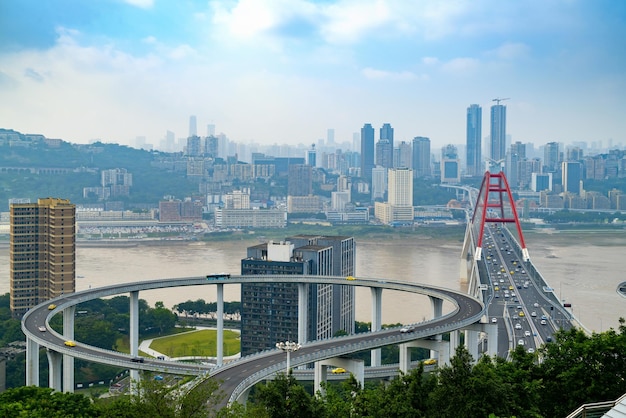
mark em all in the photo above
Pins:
pixel 430 361
pixel 41 328
pixel 70 343
pixel 350 278
pixel 338 370
pixel 52 306
pixel 408 328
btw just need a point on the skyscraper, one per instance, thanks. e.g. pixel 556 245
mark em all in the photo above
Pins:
pixel 421 157
pixel 473 142
pixel 367 151
pixel 386 141
pixel 450 165
pixel 551 157
pixel 498 132
pixel 402 155
pixel 312 156
pixel 572 175
pixel 193 126
pixel 42 252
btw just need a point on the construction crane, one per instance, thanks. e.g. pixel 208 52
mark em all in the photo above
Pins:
pixel 497 99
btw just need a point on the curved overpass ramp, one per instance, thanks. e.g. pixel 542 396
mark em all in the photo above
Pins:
pixel 239 375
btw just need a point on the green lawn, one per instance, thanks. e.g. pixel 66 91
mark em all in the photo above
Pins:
pixel 197 343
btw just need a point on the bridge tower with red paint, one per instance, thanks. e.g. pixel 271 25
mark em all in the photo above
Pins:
pixel 495 204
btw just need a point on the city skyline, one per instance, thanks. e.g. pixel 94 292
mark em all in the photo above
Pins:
pixel 285 72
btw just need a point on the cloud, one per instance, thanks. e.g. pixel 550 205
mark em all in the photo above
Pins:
pixel 430 60
pixel 510 51
pixel 461 65
pixel 374 74
pixel 32 74
pixel 143 4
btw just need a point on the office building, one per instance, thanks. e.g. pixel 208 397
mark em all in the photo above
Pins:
pixel 384 154
pixel 403 155
pixel 42 252
pixel 300 181
pixel 498 132
pixel 473 141
pixel 384 147
pixel 379 183
pixel 450 165
pixel 312 156
pixel 551 157
pixel 269 311
pixel 421 157
pixel 367 151
pixel 572 176
pixel 193 126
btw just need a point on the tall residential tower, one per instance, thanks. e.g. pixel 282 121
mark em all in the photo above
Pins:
pixel 473 144
pixel 42 252
pixel 498 132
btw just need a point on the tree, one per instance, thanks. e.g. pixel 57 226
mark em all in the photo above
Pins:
pixel 283 397
pixel 36 402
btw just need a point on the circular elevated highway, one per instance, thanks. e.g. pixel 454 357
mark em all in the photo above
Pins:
pixel 238 375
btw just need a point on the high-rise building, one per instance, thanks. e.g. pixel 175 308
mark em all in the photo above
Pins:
pixel 421 157
pixel 42 252
pixel 400 187
pixel 367 151
pixel 498 132
pixel 572 176
pixel 269 311
pixel 403 155
pixel 193 126
pixel 386 147
pixel 450 165
pixel 300 182
pixel 551 157
pixel 330 137
pixel 379 183
pixel 384 154
pixel 516 154
pixel 473 141
pixel 312 156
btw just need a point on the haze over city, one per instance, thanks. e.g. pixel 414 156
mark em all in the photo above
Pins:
pixel 285 71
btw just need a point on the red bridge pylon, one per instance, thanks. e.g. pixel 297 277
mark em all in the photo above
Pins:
pixel 491 207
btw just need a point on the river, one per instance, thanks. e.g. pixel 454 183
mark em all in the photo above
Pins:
pixel 584 268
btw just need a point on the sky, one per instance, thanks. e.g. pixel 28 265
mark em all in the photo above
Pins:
pixel 285 71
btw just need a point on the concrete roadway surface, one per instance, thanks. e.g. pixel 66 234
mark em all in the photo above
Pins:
pixel 468 310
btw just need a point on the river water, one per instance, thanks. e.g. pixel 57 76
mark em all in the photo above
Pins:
pixel 584 268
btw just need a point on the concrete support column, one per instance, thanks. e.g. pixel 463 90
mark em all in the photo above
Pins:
pixel 437 305
pixel 54 370
pixel 356 367
pixel 377 303
pixel 405 357
pixel 455 341
pixel 68 361
pixel 134 338
pixel 471 343
pixel 220 324
pixel 492 340
pixel 303 308
pixel 32 363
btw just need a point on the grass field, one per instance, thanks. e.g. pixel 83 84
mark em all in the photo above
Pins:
pixel 197 343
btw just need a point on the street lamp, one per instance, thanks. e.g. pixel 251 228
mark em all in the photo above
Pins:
pixel 288 347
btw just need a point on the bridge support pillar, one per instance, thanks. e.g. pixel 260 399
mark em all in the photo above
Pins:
pixel 471 343
pixel 437 305
pixel 220 324
pixel 439 350
pixel 303 308
pixel 356 367
pixel 68 361
pixel 492 341
pixel 32 363
pixel 465 254
pixel 377 303
pixel 455 341
pixel 134 339
pixel 54 370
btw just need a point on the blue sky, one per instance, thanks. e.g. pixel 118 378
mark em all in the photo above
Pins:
pixel 284 71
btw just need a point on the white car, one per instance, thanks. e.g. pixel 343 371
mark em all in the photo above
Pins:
pixel 526 333
pixel 518 326
pixel 520 342
pixel 543 322
pixel 531 350
pixel 494 320
pixel 533 313
pixel 408 328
